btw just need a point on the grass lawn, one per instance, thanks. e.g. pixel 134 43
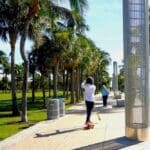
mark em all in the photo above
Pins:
pixel 10 125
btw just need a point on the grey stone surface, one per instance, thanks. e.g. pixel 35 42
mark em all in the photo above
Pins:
pixel 68 132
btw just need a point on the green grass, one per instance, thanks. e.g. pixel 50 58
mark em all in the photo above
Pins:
pixel 10 125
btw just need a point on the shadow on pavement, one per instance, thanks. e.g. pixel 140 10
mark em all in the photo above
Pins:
pixel 82 110
pixel 114 109
pixel 39 135
pixel 114 144
pixel 97 108
pixel 75 111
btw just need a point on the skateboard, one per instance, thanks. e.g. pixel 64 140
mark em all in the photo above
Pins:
pixel 89 125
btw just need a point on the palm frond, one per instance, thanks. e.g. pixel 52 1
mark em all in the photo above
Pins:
pixel 3 33
pixel 81 26
pixel 63 13
pixel 79 6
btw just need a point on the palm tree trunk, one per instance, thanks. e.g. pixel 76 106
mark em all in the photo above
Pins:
pixel 25 75
pixel 15 110
pixel 67 85
pixel 55 79
pixel 72 87
pixel 64 85
pixel 78 84
pixel 6 86
pixel 33 9
pixel 24 92
pixel 81 80
pixel 33 87
pixel 49 87
pixel 97 81
pixel 43 89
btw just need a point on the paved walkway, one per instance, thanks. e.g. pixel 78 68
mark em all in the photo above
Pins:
pixel 67 133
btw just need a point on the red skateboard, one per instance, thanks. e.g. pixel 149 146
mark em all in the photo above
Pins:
pixel 89 125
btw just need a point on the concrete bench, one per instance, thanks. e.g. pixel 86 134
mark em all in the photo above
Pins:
pixel 118 96
pixel 120 102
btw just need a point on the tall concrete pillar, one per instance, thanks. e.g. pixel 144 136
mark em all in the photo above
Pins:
pixel 115 77
pixel 136 57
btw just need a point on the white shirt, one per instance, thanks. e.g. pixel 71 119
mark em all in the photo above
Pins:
pixel 89 91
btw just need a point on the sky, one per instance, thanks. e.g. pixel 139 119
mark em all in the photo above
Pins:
pixel 104 18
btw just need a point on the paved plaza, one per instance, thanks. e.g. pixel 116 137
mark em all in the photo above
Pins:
pixel 67 133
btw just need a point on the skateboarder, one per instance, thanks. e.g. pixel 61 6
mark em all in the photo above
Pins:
pixel 89 88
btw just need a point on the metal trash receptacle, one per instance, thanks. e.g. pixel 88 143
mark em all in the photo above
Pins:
pixel 62 107
pixel 53 111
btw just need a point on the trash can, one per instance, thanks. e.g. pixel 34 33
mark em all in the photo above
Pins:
pixel 61 107
pixel 53 111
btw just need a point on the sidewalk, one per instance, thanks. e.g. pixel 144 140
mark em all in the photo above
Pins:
pixel 67 133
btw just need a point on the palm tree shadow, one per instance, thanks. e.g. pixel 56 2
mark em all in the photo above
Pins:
pixel 113 144
pixel 83 110
pixel 63 131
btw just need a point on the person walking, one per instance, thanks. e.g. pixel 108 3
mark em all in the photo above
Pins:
pixel 105 93
pixel 89 98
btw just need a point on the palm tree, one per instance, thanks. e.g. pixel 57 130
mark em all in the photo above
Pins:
pixel 19 74
pixel 32 69
pixel 42 60
pixel 121 79
pixel 102 72
pixel 25 12
pixel 3 58
pixel 79 6
pixel 6 71
pixel 32 11
pixel 72 61
pixel 5 66
pixel 10 25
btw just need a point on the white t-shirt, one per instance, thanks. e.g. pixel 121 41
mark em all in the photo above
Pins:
pixel 89 91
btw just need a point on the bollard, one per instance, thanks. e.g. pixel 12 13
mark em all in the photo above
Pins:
pixel 53 111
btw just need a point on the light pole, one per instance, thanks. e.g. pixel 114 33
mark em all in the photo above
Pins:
pixel 136 57
pixel 115 77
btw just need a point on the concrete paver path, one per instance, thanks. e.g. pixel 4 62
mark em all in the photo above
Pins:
pixel 67 132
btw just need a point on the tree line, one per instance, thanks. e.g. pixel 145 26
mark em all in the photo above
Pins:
pixel 62 54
